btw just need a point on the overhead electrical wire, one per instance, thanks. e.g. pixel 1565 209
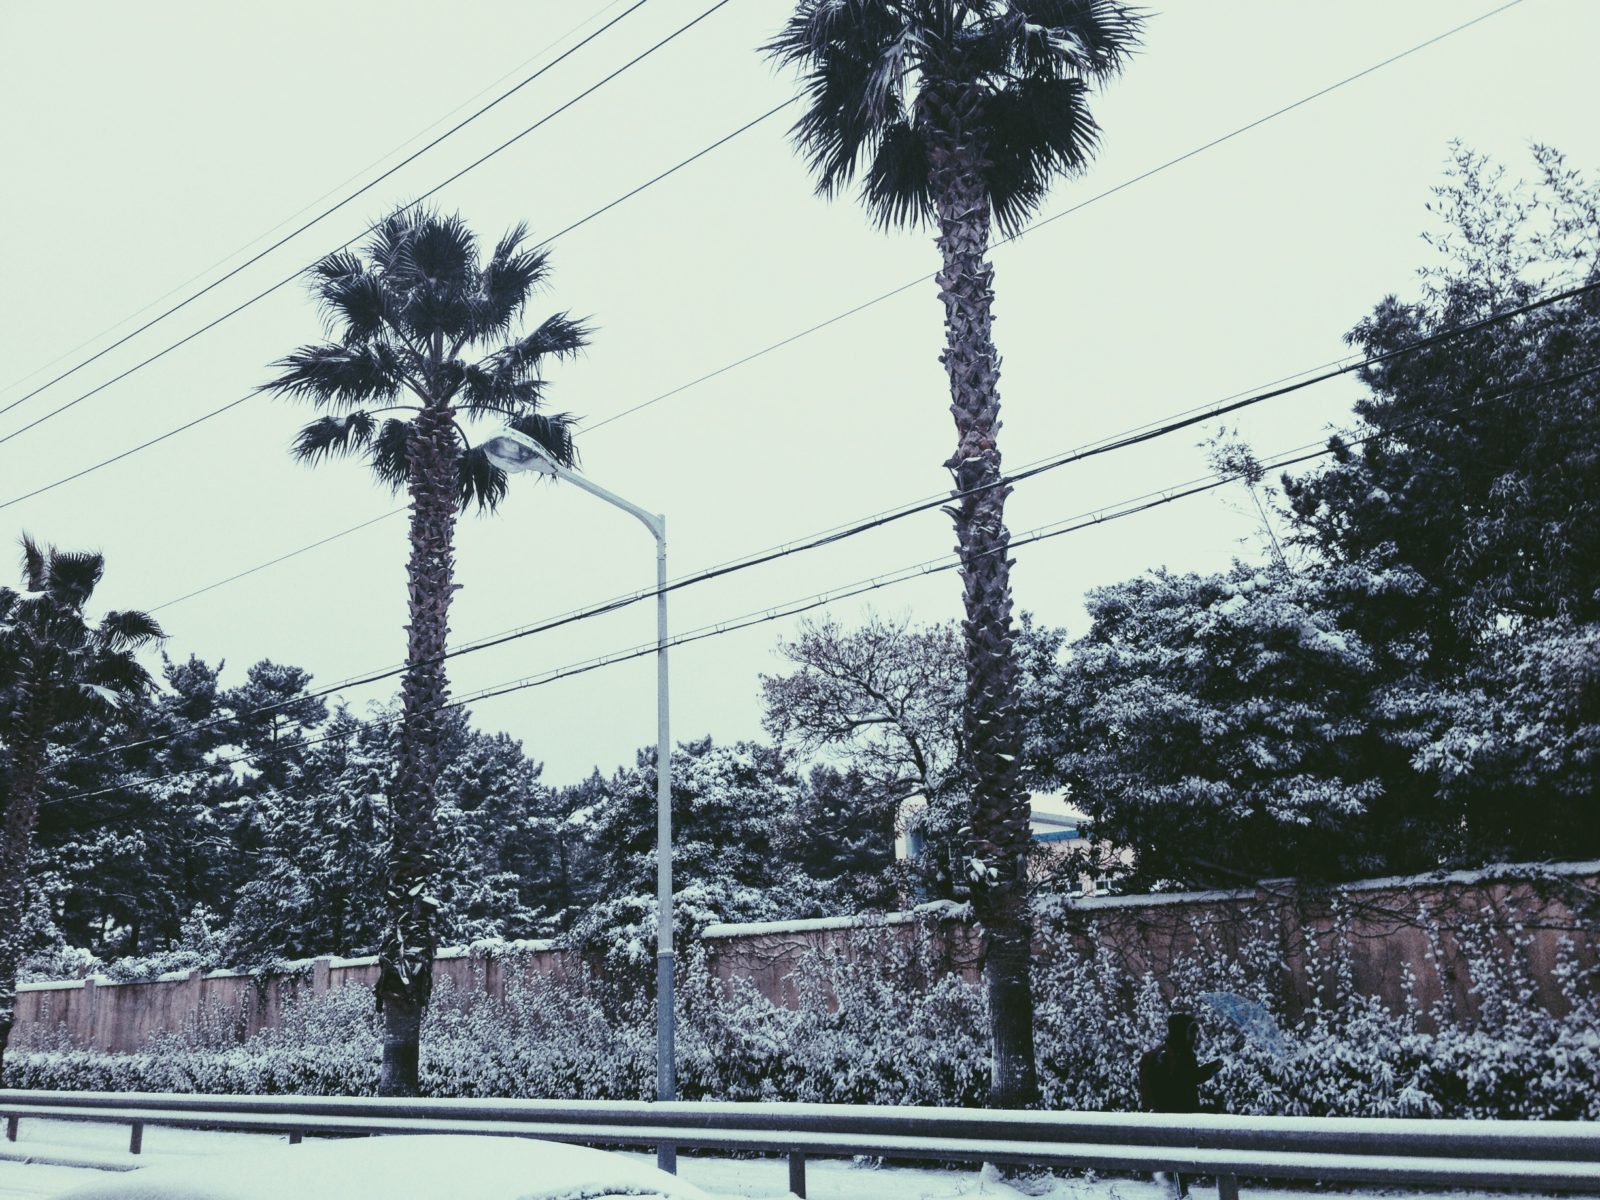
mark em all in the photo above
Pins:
pixel 232 404
pixel 784 550
pixel 1085 520
pixel 862 307
pixel 1043 221
pixel 701 633
pixel 42 368
pixel 288 279
pixel 1149 431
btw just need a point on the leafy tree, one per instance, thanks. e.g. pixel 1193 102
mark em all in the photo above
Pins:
pixel 56 666
pixel 1419 689
pixel 131 857
pixel 884 702
pixel 1477 466
pixel 732 809
pixel 1220 725
pixel 887 694
pixel 405 312
pixel 959 113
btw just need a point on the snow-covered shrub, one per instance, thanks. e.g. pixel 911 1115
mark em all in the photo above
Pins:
pixel 884 1022
pixel 885 1019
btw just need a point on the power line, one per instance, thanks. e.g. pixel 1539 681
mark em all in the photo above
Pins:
pixel 715 629
pixel 410 205
pixel 323 215
pixel 272 562
pixel 1076 524
pixel 841 533
pixel 769 349
pixel 945 495
pixel 483 91
pixel 1082 204
pixel 217 412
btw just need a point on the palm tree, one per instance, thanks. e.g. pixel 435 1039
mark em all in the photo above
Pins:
pixel 56 668
pixel 404 311
pixel 959 113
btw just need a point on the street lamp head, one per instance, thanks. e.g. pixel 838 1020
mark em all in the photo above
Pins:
pixel 513 451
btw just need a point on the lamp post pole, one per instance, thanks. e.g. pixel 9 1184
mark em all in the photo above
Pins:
pixel 514 451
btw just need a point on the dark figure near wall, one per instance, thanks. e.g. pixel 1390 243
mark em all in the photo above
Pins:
pixel 1170 1075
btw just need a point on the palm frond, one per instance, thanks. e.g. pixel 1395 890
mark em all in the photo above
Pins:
pixel 553 431
pixel 389 454
pixel 895 188
pixel 558 336
pixel 339 376
pixel 33 564
pixel 127 629
pixel 507 281
pixel 1037 129
pixel 72 576
pixel 481 482
pixel 329 436
pixel 442 250
pixel 854 55
pixel 483 391
pixel 1091 38
pixel 357 306
pixel 118 672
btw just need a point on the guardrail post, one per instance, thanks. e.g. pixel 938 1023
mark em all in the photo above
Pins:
pixel 797 1173
pixel 11 1128
pixel 1227 1187
pixel 294 1137
pixel 136 1138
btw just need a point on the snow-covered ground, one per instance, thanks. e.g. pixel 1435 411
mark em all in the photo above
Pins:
pixel 94 1148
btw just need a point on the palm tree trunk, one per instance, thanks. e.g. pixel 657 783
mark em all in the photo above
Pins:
pixel 998 843
pixel 16 841
pixel 405 964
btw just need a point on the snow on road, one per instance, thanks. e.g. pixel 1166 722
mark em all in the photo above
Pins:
pixel 101 1146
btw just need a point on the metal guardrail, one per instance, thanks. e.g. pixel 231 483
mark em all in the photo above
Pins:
pixel 1530 1155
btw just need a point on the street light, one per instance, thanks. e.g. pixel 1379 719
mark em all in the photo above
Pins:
pixel 512 451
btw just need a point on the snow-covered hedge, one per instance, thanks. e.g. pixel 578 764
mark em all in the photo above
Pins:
pixel 884 1023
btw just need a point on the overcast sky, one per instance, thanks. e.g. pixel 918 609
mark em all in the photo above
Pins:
pixel 149 145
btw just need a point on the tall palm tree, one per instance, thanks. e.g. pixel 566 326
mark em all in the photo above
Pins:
pixel 405 312
pixel 959 113
pixel 56 667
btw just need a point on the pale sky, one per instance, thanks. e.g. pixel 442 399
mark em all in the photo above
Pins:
pixel 145 145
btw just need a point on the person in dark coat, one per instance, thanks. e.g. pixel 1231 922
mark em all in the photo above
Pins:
pixel 1170 1075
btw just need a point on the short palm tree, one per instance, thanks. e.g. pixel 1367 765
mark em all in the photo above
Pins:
pixel 56 667
pixel 959 113
pixel 424 338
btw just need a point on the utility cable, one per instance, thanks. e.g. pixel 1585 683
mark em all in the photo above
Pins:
pixel 1088 519
pixel 344 183
pixel 291 554
pixel 323 215
pixel 219 411
pixel 1078 207
pixel 769 555
pixel 288 279
pixel 862 307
